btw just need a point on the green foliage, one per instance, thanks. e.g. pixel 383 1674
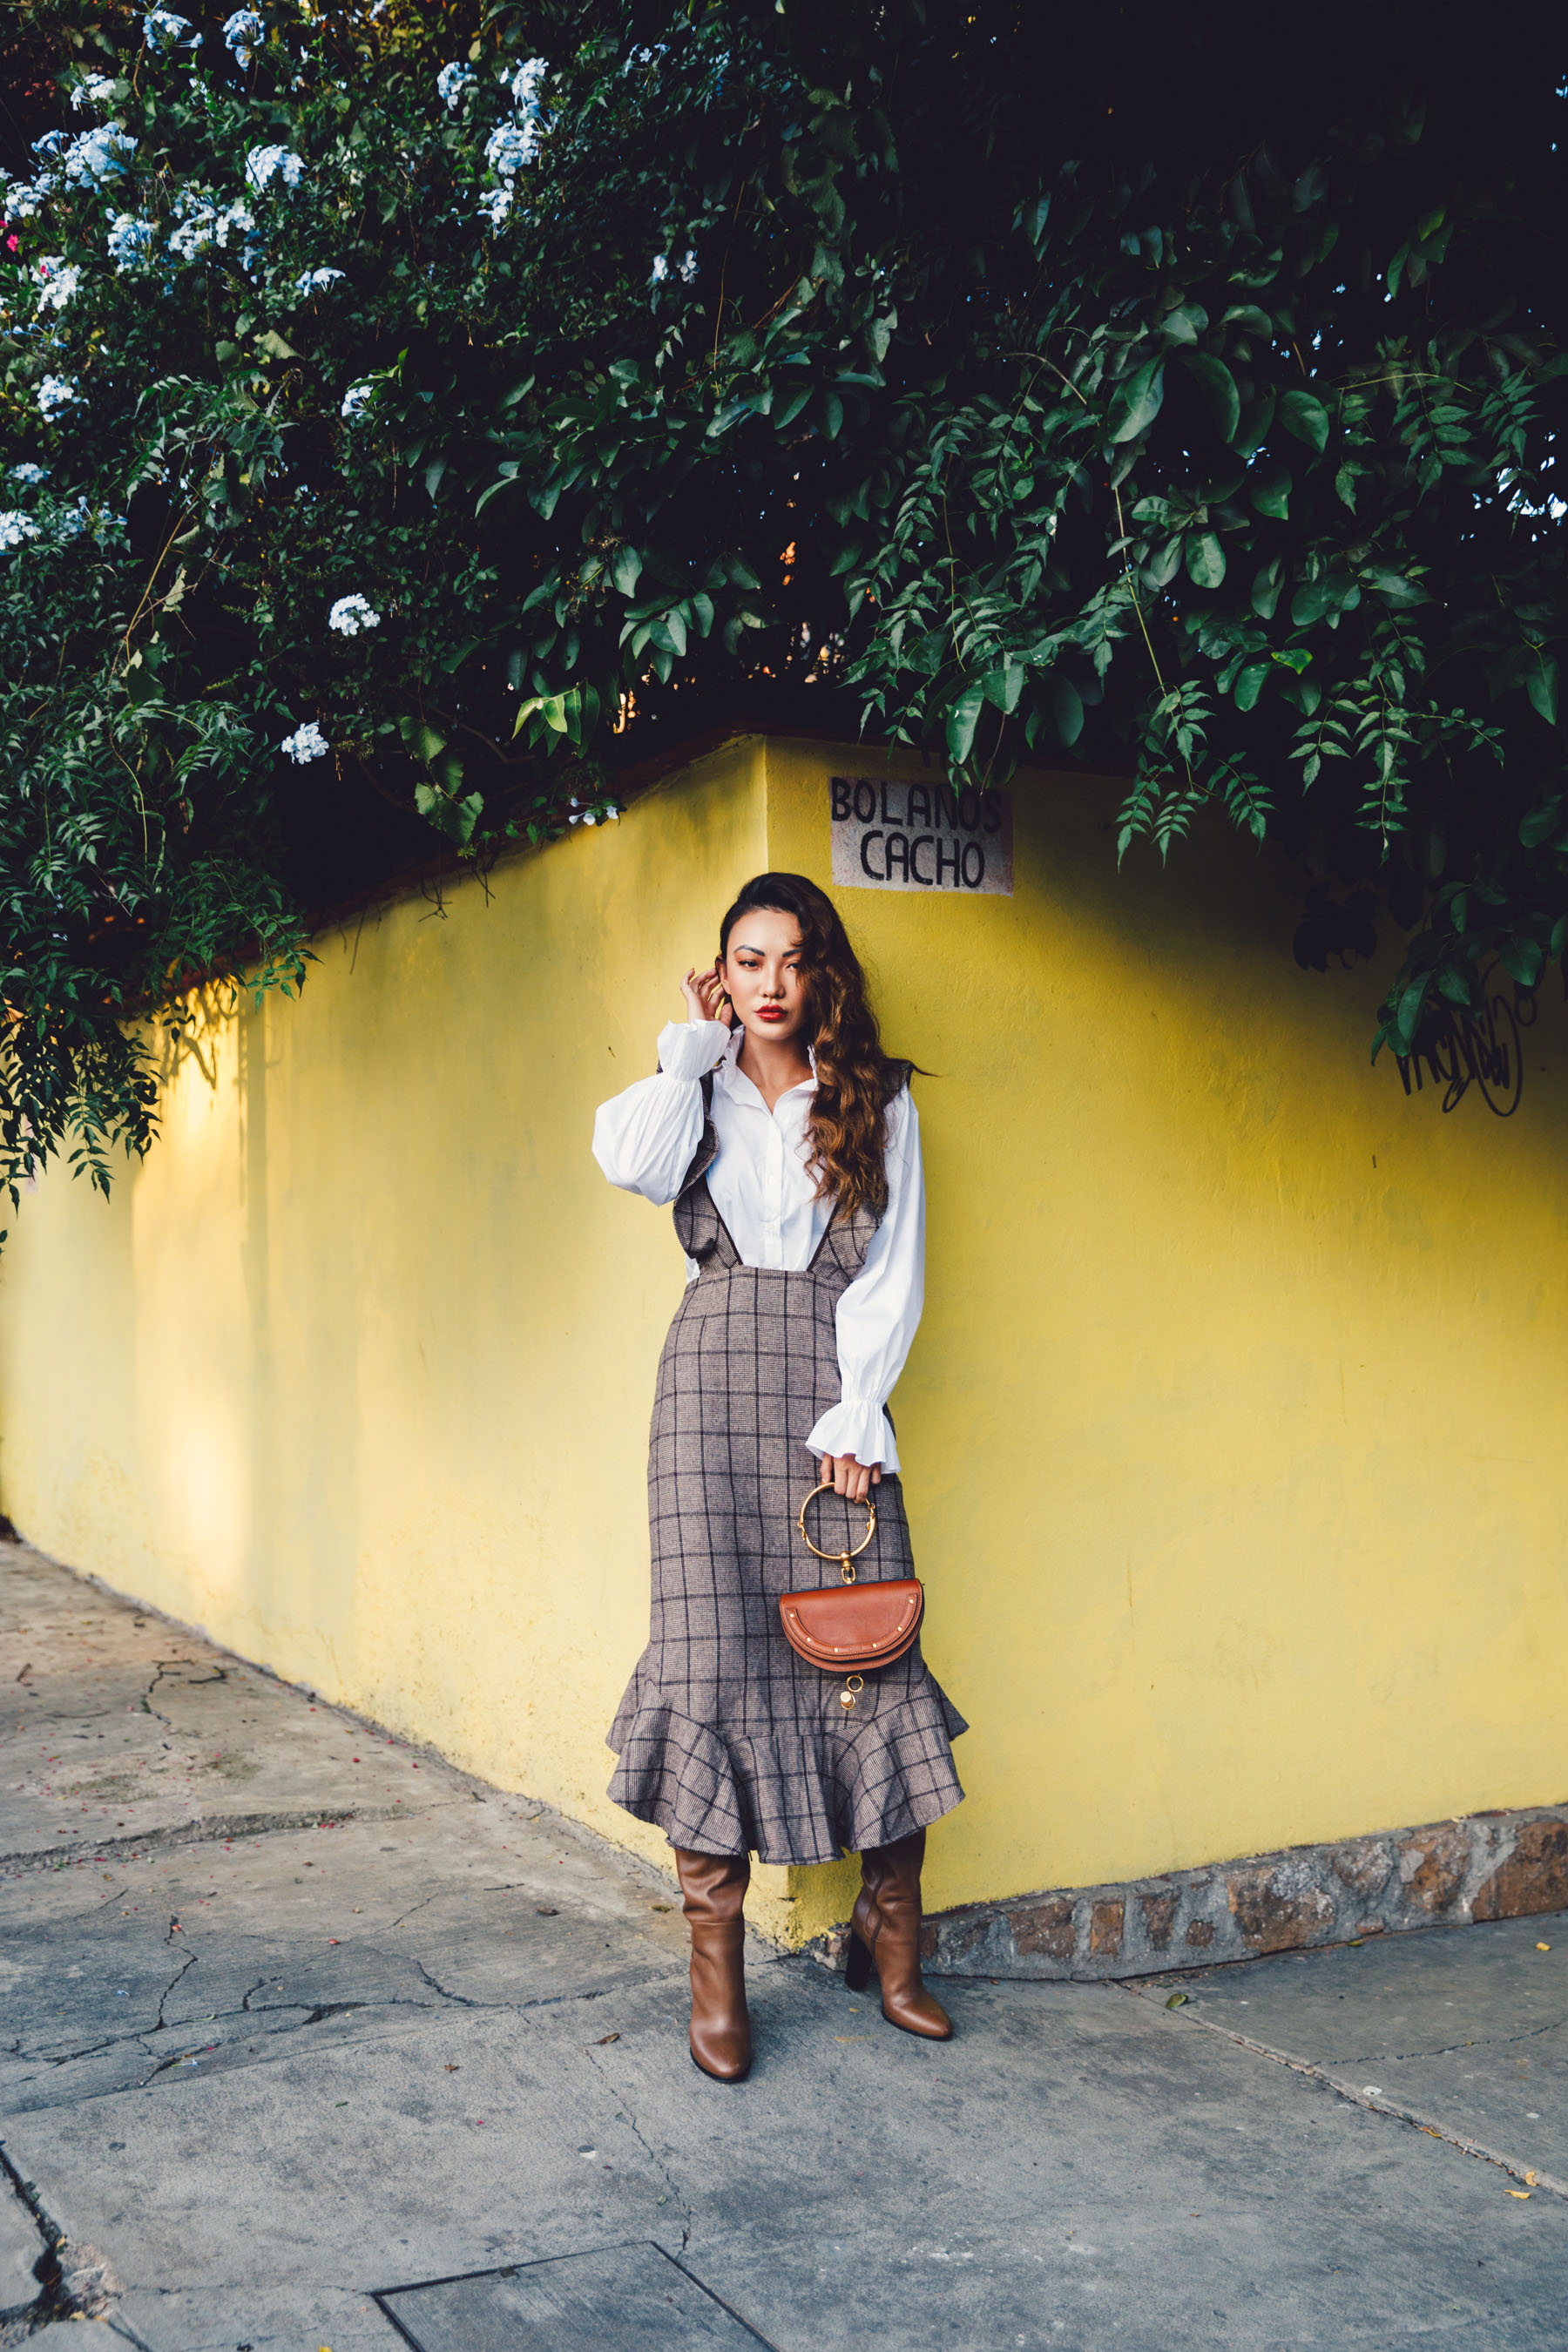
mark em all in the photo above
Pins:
pixel 470 427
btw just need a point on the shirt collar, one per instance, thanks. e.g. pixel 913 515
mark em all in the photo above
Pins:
pixel 727 1070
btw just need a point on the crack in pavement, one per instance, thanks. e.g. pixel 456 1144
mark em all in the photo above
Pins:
pixel 210 1829
pixel 75 2282
pixel 626 2114
pixel 365 2005
pixel 186 1965
pixel 1374 2101
pixel 1449 2048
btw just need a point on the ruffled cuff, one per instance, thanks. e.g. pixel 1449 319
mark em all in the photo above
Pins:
pixel 858 1426
pixel 689 1049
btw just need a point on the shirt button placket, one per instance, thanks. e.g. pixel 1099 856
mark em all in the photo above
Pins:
pixel 773 1195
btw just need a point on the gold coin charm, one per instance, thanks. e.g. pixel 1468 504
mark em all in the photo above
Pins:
pixel 850 1692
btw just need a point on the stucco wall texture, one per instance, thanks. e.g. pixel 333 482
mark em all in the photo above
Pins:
pixel 1233 1436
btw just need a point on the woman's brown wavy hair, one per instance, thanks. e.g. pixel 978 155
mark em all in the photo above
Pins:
pixel 855 1079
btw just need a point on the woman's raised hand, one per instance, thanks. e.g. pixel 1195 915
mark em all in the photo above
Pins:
pixel 704 994
pixel 852 1480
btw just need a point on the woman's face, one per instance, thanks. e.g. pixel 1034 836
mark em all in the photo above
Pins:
pixel 761 972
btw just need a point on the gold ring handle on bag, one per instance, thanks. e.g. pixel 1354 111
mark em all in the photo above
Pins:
pixel 846 1558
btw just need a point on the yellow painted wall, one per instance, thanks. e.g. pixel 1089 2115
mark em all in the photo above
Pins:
pixel 1231 1438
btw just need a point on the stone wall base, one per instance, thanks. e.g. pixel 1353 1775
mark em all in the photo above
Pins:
pixel 1491 1865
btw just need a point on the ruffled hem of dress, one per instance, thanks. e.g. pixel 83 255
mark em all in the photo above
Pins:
pixel 792 1800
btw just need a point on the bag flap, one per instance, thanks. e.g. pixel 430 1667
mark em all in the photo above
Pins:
pixel 853 1620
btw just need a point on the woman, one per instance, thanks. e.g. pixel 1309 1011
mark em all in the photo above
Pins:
pixel 790 1146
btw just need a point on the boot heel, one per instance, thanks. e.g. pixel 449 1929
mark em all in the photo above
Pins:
pixel 857 1966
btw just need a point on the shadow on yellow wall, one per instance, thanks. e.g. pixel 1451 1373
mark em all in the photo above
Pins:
pixel 1231 1439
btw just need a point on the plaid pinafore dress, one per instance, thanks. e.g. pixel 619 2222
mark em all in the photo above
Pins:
pixel 725 1738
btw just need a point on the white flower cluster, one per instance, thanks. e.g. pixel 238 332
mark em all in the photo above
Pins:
pixel 510 146
pixel 241 33
pixel 205 223
pixel 586 816
pixel 265 164
pixel 350 614
pixel 54 393
pixel 316 281
pixel 451 82
pixel 96 156
pixel 128 241
pixel 526 85
pixel 685 268
pixel 15 526
pixel 96 89
pixel 307 742
pixel 57 281
pixel 20 199
pixel 513 144
pixel 89 161
pixel 161 29
pixel 356 400
pixel 30 474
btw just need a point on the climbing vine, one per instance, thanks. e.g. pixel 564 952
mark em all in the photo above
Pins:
pixel 405 409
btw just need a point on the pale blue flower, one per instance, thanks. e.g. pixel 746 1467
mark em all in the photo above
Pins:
pixel 510 146
pixel 307 742
pixel 451 82
pixel 30 474
pixel 22 199
pixel 350 615
pixel 527 84
pixel 495 204
pixel 685 268
pixel 57 281
pixel 316 281
pixel 16 526
pixel 356 400
pixel 161 29
pixel 128 241
pixel 264 165
pixel 98 155
pixel 54 393
pixel 205 223
pixel 95 89
pixel 241 32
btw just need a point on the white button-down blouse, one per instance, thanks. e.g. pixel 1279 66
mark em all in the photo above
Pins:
pixel 644 1140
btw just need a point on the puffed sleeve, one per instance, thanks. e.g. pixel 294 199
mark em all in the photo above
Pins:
pixel 880 1313
pixel 644 1139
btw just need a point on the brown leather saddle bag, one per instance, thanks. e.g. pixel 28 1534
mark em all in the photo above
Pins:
pixel 850 1628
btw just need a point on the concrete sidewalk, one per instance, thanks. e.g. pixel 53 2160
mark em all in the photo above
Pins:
pixel 308 2040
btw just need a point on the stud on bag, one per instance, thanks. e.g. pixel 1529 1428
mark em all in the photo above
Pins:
pixel 850 1628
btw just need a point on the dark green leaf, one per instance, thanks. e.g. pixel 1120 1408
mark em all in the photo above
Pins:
pixel 1268 488
pixel 1217 386
pixel 1266 588
pixel 961 720
pixel 1541 823
pixel 1522 958
pixel 1137 402
pixel 1541 685
pixel 1306 417
pixel 1062 708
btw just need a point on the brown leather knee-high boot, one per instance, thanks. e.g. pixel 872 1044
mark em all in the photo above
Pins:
pixel 713 1890
pixel 885 1930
